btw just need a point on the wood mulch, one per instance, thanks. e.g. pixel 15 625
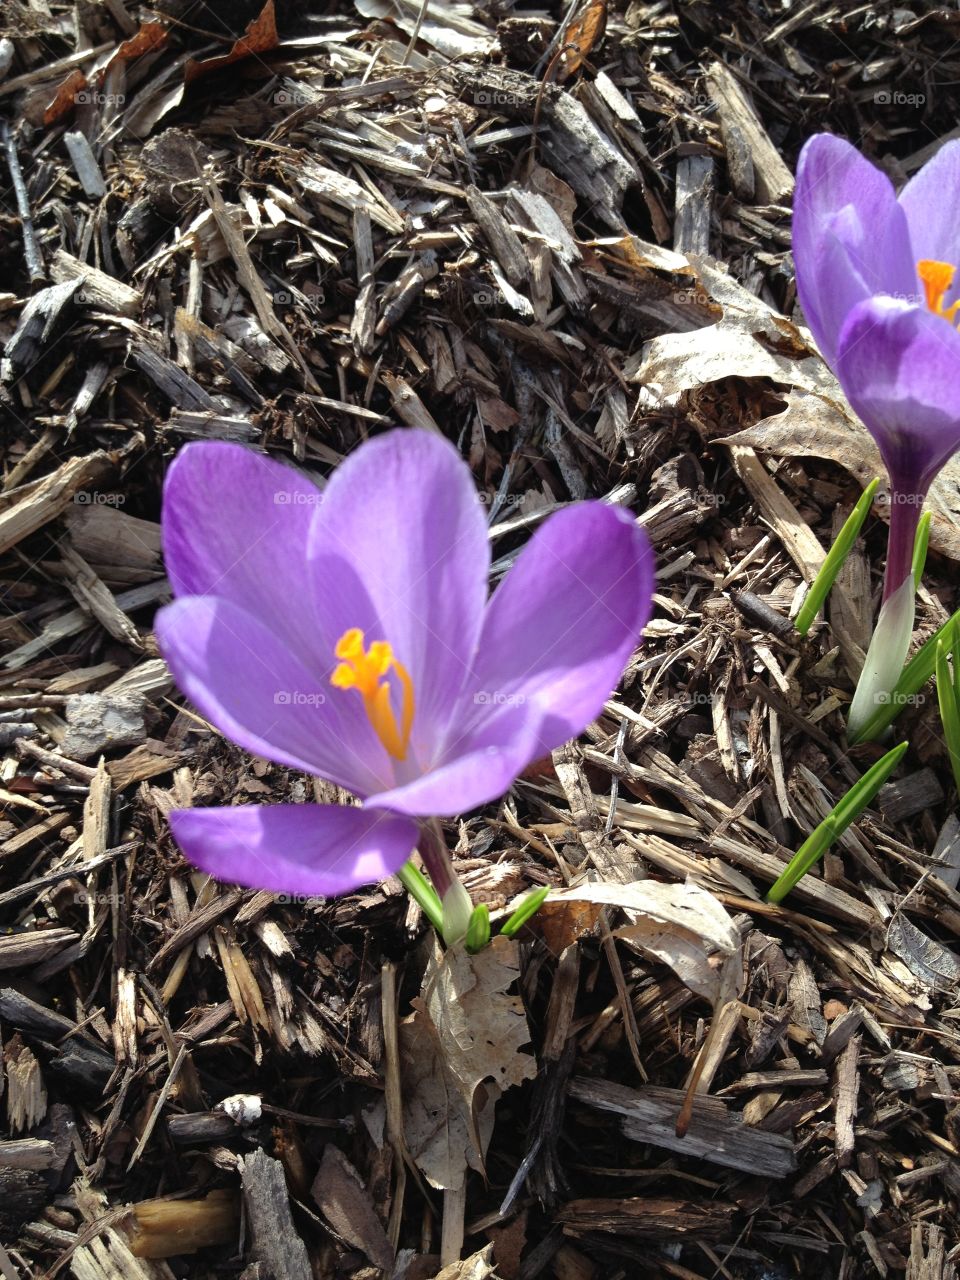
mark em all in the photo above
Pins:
pixel 565 244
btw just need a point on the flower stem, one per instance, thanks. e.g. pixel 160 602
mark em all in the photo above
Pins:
pixel 905 507
pixel 457 907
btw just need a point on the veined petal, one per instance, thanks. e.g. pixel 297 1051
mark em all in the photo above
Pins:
pixel 306 849
pixel 402 527
pixel 236 525
pixel 900 368
pixel 562 625
pixel 929 201
pixel 481 763
pixel 850 237
pixel 257 692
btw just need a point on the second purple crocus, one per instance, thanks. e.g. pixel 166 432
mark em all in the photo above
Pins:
pixel 348 634
pixel 877 279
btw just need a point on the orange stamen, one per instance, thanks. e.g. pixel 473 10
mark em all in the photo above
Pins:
pixel 366 670
pixel 937 278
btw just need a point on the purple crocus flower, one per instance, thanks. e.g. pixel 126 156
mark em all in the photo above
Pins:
pixel 347 633
pixel 876 279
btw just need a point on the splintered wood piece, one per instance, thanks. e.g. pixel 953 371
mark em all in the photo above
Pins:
pixel 364 321
pixel 275 1243
pixel 694 203
pixel 243 987
pixel 24 950
pixel 166 1228
pixel 714 1133
pixel 50 497
pixel 643 1216
pixel 569 766
pixel 97 289
pixel 845 1107
pixel 505 245
pixel 27 1153
pixel 96 813
pixel 26 1093
pixel 748 140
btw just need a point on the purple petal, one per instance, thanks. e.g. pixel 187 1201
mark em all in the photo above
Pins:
pixel 236 525
pixel 258 693
pixel 850 237
pixel 400 549
pixel 900 368
pixel 295 848
pixel 562 625
pixel 480 764
pixel 929 201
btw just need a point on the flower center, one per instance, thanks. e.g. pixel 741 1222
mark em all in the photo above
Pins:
pixel 366 670
pixel 937 277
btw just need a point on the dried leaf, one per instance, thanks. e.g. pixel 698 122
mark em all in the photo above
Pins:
pixel 815 426
pixel 260 37
pixel 582 34
pixel 682 925
pixel 466 1032
pixel 479 1266
pixel 934 965
pixel 346 1204
pixel 150 37
pixel 679 362
pixel 65 98
pixel 446 25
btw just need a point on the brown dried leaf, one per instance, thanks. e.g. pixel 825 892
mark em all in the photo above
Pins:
pixel 466 1032
pixel 150 37
pixel 813 426
pixel 681 925
pixel 582 34
pixel 479 1266
pixel 260 37
pixel 347 1205
pixel 65 98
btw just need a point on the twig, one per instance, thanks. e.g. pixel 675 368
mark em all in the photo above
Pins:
pixel 31 251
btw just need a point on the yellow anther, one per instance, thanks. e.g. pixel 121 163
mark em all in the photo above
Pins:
pixel 937 277
pixel 364 670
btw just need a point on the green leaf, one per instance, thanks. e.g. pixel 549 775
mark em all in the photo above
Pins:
pixel 915 675
pixel 835 823
pixel 920 546
pixel 478 930
pixel 820 587
pixel 949 711
pixel 422 892
pixel 526 910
